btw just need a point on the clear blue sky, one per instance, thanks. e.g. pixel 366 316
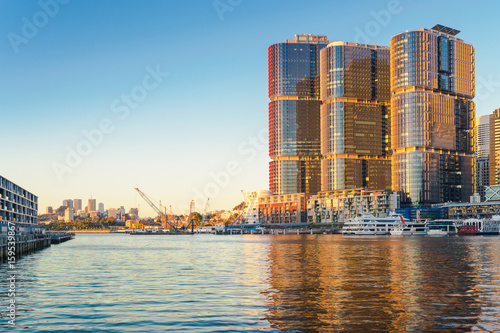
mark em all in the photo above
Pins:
pixel 67 72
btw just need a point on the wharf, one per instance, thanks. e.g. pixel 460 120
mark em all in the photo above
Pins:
pixel 60 237
pixel 28 243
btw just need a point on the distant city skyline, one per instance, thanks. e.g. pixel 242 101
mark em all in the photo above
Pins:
pixel 171 97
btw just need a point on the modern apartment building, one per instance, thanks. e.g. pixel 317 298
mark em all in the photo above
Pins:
pixel 17 205
pixel 341 205
pixel 355 116
pixel 294 115
pixel 482 154
pixel 433 84
pixel 494 127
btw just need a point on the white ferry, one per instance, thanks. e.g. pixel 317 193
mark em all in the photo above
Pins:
pixel 443 227
pixel 480 226
pixel 367 224
pixel 416 228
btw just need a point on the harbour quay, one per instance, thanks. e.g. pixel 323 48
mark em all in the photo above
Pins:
pixel 19 231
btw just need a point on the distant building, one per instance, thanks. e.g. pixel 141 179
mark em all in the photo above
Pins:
pixel 68 203
pixel 92 205
pixel 16 205
pixel 482 142
pixel 94 214
pixel 77 204
pixel 433 113
pixel 100 208
pixel 69 215
pixel 341 205
pixel 112 212
pixel 49 210
pixel 294 115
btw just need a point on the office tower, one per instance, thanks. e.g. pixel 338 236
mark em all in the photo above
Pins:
pixel 49 210
pixel 482 154
pixel 355 116
pixel 494 142
pixel 112 212
pixel 77 205
pixel 92 205
pixel 16 205
pixel 69 215
pixel 432 84
pixel 68 203
pixel 101 208
pixel 294 124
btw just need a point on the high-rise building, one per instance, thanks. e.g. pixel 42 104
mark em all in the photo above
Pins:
pixel 100 208
pixel 49 210
pixel 77 204
pixel 69 214
pixel 482 154
pixel 494 128
pixel 92 205
pixel 16 205
pixel 355 116
pixel 68 203
pixel 432 84
pixel 294 115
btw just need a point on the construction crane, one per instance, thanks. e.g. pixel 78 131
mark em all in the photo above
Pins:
pixel 190 221
pixel 158 210
pixel 204 214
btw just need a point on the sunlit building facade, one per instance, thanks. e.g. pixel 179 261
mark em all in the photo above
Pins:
pixel 294 115
pixel 482 154
pixel 433 84
pixel 355 116
pixel 494 145
pixel 16 205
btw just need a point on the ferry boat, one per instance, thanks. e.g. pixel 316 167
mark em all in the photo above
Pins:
pixel 416 228
pixel 480 226
pixel 443 227
pixel 367 224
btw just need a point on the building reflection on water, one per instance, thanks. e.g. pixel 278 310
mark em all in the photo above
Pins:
pixel 329 282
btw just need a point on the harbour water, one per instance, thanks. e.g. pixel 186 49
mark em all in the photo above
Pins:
pixel 270 283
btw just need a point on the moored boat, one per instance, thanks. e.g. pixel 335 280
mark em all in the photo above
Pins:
pixel 443 227
pixel 416 228
pixel 367 224
pixel 480 226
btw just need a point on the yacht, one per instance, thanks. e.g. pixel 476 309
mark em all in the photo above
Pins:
pixel 480 226
pixel 367 224
pixel 415 228
pixel 443 227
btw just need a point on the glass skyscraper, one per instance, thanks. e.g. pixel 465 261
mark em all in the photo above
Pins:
pixel 294 123
pixel 433 84
pixel 355 116
pixel 482 154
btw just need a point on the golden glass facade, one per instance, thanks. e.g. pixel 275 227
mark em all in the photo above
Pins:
pixel 294 111
pixel 494 156
pixel 355 116
pixel 432 82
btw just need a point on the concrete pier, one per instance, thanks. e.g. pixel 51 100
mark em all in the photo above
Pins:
pixel 29 243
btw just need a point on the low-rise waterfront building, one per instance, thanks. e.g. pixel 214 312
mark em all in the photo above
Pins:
pixel 251 212
pixel 341 205
pixel 472 210
pixel 17 205
pixel 283 209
